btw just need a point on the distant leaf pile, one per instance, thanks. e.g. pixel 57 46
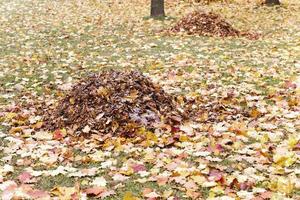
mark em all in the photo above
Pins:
pixel 114 102
pixel 206 24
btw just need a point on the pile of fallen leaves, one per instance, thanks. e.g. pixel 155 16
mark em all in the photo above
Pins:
pixel 206 24
pixel 115 103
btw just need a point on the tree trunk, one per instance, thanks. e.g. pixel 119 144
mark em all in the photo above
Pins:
pixel 157 8
pixel 272 2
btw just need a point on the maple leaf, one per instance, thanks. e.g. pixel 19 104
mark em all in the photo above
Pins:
pixel 138 168
pixel 119 177
pixel 149 193
pixel 43 135
pixel 95 191
pixel 64 192
pixel 283 185
pixel 129 196
pixel 25 177
pixel 127 171
pixel 162 180
pixel 38 194
pixel 105 194
pixel 59 134
pixel 239 128
pixel 192 194
pixel 99 181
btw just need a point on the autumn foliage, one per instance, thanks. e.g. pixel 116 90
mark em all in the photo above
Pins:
pixel 208 24
pixel 114 102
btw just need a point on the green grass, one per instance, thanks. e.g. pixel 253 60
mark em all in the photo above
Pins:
pixel 48 183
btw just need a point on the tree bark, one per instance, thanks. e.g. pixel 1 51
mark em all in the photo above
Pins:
pixel 157 8
pixel 272 2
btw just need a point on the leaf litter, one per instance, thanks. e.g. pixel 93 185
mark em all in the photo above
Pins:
pixel 244 95
pixel 116 103
pixel 207 24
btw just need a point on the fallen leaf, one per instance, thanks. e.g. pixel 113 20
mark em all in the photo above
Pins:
pixel 99 181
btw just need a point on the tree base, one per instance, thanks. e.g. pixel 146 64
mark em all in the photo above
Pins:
pixel 157 8
pixel 272 2
pixel 162 17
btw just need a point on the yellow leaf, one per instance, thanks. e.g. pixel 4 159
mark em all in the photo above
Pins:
pixel 127 172
pixel 183 138
pixel 284 160
pixel 203 116
pixel 283 185
pixel 255 113
pixel 64 192
pixel 167 193
pixel 293 101
pixel 279 170
pixel 180 100
pixel 14 130
pixel 107 143
pixel 289 161
pixel 149 157
pixel 199 179
pixel 292 141
pixel 239 128
pixel 132 96
pixel 184 173
pixel 217 190
pixel 129 196
pixel 264 138
pixel 72 101
pixel 237 145
pixel 10 115
pixel 37 125
pixel 118 144
pixel 43 135
pixel 102 91
pixel 211 195
pixel 152 137
pixel 84 182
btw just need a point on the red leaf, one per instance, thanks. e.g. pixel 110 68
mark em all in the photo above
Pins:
pixel 246 185
pixel 162 180
pixel 193 194
pixel 37 194
pixel 171 166
pixel 219 147
pixel 216 175
pixel 175 129
pixel 75 196
pixel 58 135
pixel 25 177
pixel 8 191
pixel 146 191
pixel 138 167
pixel 95 190
pixel 266 195
pixel 289 84
pixel 234 184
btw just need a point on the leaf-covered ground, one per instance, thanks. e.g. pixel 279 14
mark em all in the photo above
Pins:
pixel 45 46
